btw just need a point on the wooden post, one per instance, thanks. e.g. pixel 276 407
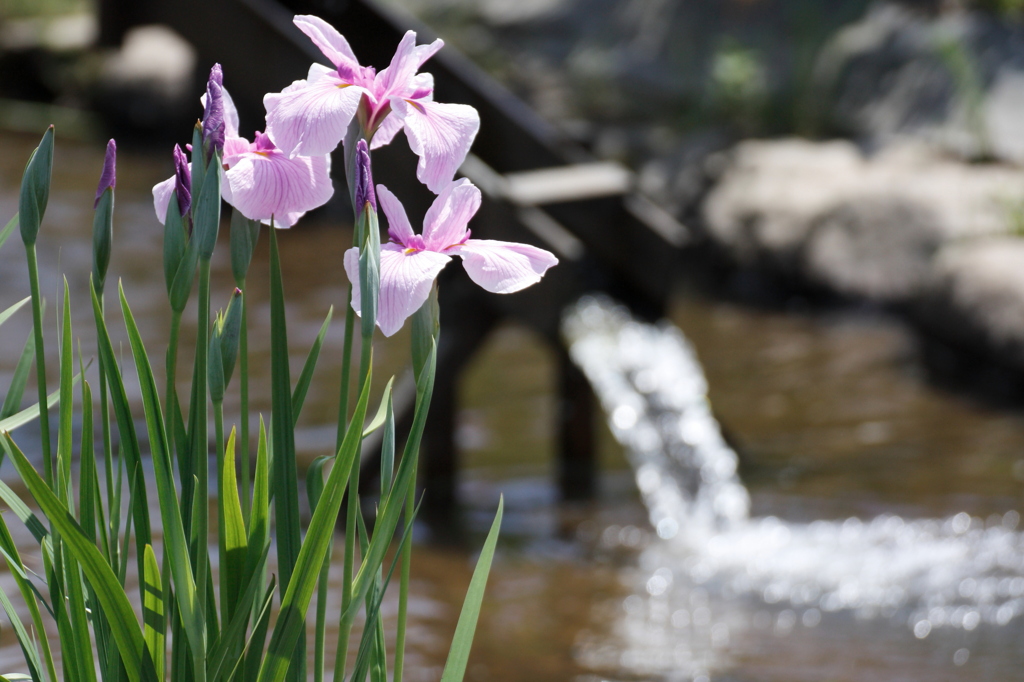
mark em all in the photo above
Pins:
pixel 577 458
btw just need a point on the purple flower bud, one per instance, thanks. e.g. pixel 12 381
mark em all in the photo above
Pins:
pixel 182 181
pixel 109 176
pixel 364 179
pixel 213 115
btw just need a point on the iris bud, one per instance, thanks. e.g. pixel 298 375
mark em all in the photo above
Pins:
pixel 35 188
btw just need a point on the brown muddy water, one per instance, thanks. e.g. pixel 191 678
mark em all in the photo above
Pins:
pixel 830 412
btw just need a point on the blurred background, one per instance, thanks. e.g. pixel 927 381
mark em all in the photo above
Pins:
pixel 825 198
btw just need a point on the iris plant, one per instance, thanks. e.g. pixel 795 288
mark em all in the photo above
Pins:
pixel 192 629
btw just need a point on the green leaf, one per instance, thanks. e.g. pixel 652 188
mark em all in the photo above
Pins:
pixel 175 238
pixel 382 410
pixel 79 621
pixel 232 638
pixel 24 514
pixel 13 309
pixel 64 436
pixel 206 211
pixel 129 444
pixel 387 517
pixel 230 331
pixel 175 540
pixel 244 235
pixel 184 277
pixel 369 273
pixel 87 463
pixel 235 540
pixel 153 619
pixel 462 642
pixel 8 229
pixel 109 592
pixel 291 622
pixel 29 413
pixel 306 376
pixel 16 390
pixel 387 447
pixel 27 644
pixel 29 595
pixel 286 502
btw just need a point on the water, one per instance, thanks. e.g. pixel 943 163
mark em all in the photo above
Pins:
pixel 833 419
pixel 716 574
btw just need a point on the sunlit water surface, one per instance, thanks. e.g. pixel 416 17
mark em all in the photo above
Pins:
pixel 872 536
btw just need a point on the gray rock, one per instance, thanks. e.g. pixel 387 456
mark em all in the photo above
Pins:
pixel 866 227
pixel 880 250
pixel 976 296
pixel 940 236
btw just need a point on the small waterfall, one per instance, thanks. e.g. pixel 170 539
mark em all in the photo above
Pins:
pixel 953 573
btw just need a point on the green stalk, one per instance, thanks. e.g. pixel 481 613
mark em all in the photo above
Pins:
pixel 243 389
pixel 37 325
pixel 218 426
pixel 403 586
pixel 346 370
pixel 200 445
pixel 108 451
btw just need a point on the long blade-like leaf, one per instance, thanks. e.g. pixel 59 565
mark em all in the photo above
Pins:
pixel 109 592
pixel 29 594
pixel 175 542
pixel 16 390
pixel 13 309
pixel 306 375
pixel 291 621
pixel 129 444
pixel 12 225
pixel 29 413
pixel 235 540
pixel 462 642
pixel 153 619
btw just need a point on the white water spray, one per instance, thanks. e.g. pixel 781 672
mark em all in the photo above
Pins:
pixel 956 572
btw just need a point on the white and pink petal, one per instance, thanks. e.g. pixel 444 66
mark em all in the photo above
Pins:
pixel 311 117
pixel 162 193
pixel 399 78
pixel 399 226
pixel 386 131
pixel 326 37
pixel 440 134
pixel 503 267
pixel 447 218
pixel 405 281
pixel 264 185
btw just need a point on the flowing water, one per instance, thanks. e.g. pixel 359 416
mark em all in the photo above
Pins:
pixel 718 575
pixel 870 533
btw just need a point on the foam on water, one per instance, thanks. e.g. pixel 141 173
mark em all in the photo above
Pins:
pixel 953 573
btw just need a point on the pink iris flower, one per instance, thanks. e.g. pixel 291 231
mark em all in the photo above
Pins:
pixel 312 116
pixel 410 262
pixel 260 180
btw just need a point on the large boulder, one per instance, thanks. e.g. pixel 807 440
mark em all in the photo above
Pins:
pixel 864 227
pixel 977 296
pixel 942 238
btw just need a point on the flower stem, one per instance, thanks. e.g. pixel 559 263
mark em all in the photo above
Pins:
pixel 200 443
pixel 403 588
pixel 243 389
